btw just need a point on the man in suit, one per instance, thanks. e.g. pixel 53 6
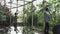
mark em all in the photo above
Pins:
pixel 46 20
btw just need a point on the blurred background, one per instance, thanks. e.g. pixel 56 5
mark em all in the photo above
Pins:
pixel 28 16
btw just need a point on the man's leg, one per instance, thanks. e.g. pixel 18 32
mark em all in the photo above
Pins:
pixel 46 30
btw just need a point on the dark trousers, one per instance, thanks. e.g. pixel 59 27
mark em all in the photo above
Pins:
pixel 46 29
pixel 15 26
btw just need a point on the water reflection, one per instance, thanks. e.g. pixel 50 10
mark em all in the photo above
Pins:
pixel 36 33
pixel 20 31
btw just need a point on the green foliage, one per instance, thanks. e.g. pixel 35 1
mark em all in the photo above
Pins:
pixel 35 19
